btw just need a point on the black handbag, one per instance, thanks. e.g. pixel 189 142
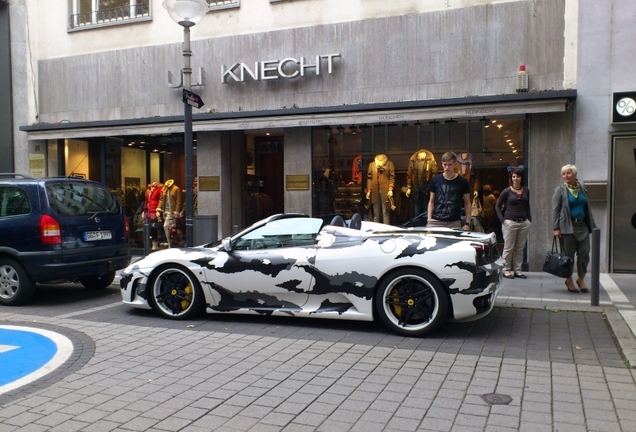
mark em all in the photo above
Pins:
pixel 557 263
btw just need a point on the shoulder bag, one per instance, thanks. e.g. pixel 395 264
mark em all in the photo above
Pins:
pixel 557 263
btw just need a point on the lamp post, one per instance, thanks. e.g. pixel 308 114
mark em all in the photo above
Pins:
pixel 187 13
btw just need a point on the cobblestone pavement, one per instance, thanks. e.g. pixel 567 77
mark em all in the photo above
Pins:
pixel 557 358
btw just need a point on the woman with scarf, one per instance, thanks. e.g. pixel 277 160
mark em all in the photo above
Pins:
pixel 572 222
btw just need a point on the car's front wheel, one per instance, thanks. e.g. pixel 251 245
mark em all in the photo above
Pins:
pixel 411 302
pixel 98 282
pixel 16 287
pixel 175 293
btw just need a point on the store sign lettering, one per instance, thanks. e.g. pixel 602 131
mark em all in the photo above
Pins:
pixel 287 68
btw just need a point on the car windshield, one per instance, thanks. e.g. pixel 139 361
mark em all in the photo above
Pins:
pixel 80 199
pixel 290 232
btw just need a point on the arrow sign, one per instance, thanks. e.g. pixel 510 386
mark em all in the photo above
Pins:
pixel 191 98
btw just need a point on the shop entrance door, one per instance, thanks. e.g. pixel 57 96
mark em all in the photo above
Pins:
pixel 623 222
pixel 265 180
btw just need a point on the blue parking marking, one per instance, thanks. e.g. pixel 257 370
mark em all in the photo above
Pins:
pixel 27 354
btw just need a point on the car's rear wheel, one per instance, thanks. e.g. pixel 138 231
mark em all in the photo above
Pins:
pixel 16 287
pixel 175 293
pixel 98 282
pixel 411 302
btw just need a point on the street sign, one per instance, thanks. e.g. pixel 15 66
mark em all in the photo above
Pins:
pixel 191 98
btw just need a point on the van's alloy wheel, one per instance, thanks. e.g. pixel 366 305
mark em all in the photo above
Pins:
pixel 16 287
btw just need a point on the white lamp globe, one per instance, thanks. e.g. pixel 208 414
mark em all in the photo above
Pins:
pixel 186 12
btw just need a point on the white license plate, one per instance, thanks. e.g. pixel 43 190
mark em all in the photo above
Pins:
pixel 97 235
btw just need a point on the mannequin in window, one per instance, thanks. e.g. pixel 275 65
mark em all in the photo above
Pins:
pixel 380 184
pixel 326 186
pixel 170 205
pixel 151 203
pixel 464 165
pixel 422 167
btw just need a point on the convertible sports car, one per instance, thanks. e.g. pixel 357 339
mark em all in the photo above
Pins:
pixel 292 264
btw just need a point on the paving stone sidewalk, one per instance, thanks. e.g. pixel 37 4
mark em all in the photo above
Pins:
pixel 555 357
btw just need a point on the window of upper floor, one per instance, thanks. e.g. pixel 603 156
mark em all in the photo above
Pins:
pixel 101 13
pixel 222 4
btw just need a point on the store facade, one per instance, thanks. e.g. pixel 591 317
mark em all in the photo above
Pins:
pixel 297 134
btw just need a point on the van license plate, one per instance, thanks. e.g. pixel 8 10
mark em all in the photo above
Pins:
pixel 97 235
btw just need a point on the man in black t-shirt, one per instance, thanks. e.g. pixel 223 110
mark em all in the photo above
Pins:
pixel 449 192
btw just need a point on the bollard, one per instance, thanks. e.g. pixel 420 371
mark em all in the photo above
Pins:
pixel 596 261
pixel 146 238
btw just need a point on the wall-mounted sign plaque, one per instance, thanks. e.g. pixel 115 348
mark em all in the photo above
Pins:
pixel 209 183
pixel 297 182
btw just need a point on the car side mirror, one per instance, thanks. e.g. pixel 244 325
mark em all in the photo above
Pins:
pixel 226 244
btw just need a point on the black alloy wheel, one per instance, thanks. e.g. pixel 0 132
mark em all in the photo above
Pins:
pixel 411 302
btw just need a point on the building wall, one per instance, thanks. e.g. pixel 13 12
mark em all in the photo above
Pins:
pixel 606 47
pixel 445 54
pixel 298 162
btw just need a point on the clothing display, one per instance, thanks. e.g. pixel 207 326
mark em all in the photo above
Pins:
pixel 422 167
pixel 151 202
pixel 170 206
pixel 465 166
pixel 380 184
pixel 325 187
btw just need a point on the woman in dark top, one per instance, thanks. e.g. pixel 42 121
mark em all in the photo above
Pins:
pixel 572 221
pixel 514 202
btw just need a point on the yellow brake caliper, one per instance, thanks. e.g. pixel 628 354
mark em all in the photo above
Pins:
pixel 186 302
pixel 397 309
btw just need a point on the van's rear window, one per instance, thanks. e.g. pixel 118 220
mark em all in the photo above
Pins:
pixel 79 199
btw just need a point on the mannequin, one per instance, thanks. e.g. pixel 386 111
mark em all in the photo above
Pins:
pixel 151 203
pixel 464 166
pixel 170 205
pixel 422 167
pixel 380 184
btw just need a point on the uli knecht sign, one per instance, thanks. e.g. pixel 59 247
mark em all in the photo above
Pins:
pixel 287 68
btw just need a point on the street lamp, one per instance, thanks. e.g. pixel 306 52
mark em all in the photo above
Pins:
pixel 187 13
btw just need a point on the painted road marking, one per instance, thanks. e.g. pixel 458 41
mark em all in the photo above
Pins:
pixel 27 354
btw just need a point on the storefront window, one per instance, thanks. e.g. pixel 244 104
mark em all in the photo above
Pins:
pixel 341 157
